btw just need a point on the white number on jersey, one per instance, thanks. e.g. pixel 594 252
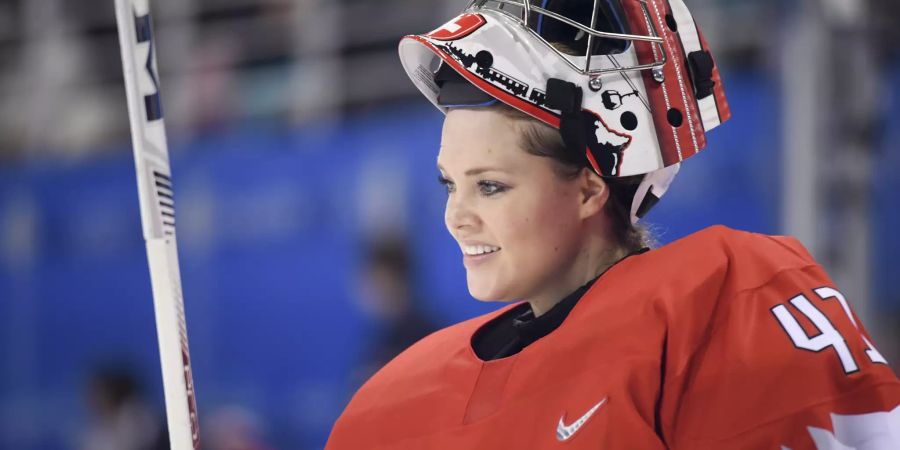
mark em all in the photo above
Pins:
pixel 828 335
pixel 826 293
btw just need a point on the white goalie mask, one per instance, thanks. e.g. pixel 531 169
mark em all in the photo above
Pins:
pixel 630 84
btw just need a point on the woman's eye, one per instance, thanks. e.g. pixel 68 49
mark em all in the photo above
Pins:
pixel 447 183
pixel 489 188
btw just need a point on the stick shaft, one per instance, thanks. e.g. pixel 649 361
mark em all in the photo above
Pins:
pixel 156 195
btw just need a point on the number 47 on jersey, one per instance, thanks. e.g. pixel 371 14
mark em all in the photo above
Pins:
pixel 828 335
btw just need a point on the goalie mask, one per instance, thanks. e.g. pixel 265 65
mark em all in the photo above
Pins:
pixel 630 84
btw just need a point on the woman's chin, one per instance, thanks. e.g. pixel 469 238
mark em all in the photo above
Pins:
pixel 485 294
pixel 489 299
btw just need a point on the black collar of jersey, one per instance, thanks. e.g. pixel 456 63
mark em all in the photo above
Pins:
pixel 517 328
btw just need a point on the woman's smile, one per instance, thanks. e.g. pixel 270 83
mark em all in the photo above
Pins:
pixel 472 260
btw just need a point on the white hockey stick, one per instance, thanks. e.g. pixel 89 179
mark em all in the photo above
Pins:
pixel 151 160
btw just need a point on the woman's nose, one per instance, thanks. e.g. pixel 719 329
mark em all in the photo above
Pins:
pixel 459 214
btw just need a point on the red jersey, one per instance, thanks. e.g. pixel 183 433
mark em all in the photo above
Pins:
pixel 721 340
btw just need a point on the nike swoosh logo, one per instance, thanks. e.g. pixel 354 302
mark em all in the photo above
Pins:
pixel 565 432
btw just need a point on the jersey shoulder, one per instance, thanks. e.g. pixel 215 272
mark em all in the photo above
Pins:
pixel 749 259
pixel 689 278
pixel 765 348
pixel 702 279
pixel 734 243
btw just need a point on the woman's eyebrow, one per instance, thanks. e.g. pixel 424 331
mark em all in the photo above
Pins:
pixel 478 170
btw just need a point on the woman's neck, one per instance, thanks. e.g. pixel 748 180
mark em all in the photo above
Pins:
pixel 591 261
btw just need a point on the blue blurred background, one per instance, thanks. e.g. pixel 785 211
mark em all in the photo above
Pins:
pixel 300 153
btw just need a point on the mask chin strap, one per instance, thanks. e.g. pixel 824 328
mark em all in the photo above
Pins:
pixel 566 97
pixel 651 189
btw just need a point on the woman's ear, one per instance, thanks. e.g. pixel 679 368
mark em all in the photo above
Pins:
pixel 594 193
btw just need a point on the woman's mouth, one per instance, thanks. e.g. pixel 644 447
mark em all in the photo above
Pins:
pixel 477 254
